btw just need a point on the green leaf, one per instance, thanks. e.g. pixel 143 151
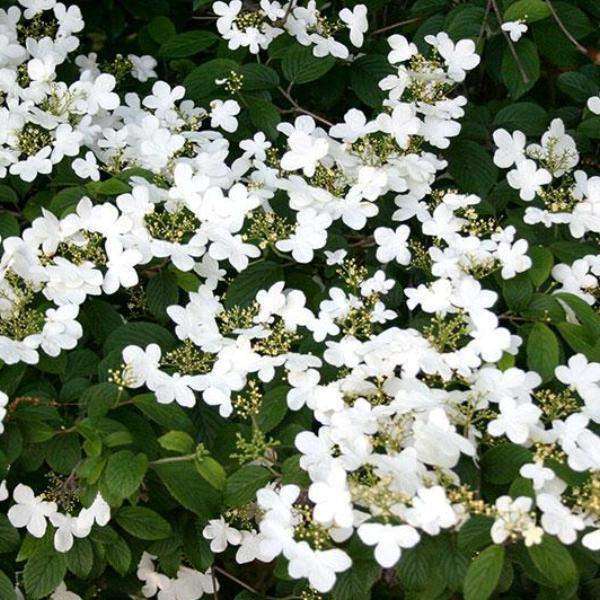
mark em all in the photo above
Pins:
pixel 590 128
pixel 258 276
pixel 66 200
pixel 356 582
pixel 265 117
pixel 124 473
pixel 580 340
pixel 517 291
pixel 527 10
pixel 501 463
pixel 242 485
pixel 584 312
pixel 483 574
pixel 542 263
pixel 292 472
pixel 139 334
pixel 530 62
pixel 577 86
pixel 177 441
pixel 554 561
pixel 528 117
pixel 100 319
pixel 9 536
pixel 187 44
pixel 475 534
pixel 80 558
pixel 162 292
pixel 100 398
pixel 189 489
pixel 118 554
pixel 161 28
pixel 43 573
pixel 63 453
pixel 273 408
pixel 143 523
pixel 8 195
pixel 258 77
pixel 170 416
pixel 110 187
pixel 472 167
pixel 200 83
pixel 418 565
pixel 365 75
pixel 9 226
pixel 7 589
pixel 300 66
pixel 543 353
pixel 211 471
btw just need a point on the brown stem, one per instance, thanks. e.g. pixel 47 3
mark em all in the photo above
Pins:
pixel 298 108
pixel 394 25
pixel 172 459
pixel 488 7
pixel 511 46
pixel 234 578
pixel 567 33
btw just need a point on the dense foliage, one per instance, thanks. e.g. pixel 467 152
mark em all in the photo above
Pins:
pixel 300 300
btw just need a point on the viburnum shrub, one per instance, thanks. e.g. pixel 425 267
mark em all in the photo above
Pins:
pixel 304 307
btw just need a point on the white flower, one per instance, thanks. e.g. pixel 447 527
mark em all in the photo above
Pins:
pixel 318 566
pixel 335 257
pixel 120 266
pixel 515 420
pixel 163 98
pixel 388 541
pixel 98 512
pixel 436 440
pixel 582 376
pixel 3 405
pixel 30 511
pixel 87 168
pixel 221 535
pixel 431 510
pixel 153 581
pixel 392 245
pixel 356 22
pixel 528 179
pixel 510 148
pixel 515 29
pixel 256 147
pixel 539 474
pixel 68 526
pixel 513 519
pixel 222 114
pixel 62 593
pixel 593 104
pixel 355 125
pixel 305 151
pixel 401 123
pixel 489 340
pixel 402 49
pixel 333 503
pixel 513 258
pixel 140 365
pixel 459 57
pixel 98 94
pixel 142 67
pixel 558 520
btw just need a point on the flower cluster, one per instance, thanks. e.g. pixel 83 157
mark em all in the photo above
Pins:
pixel 365 355
pixel 31 512
pixel 256 29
